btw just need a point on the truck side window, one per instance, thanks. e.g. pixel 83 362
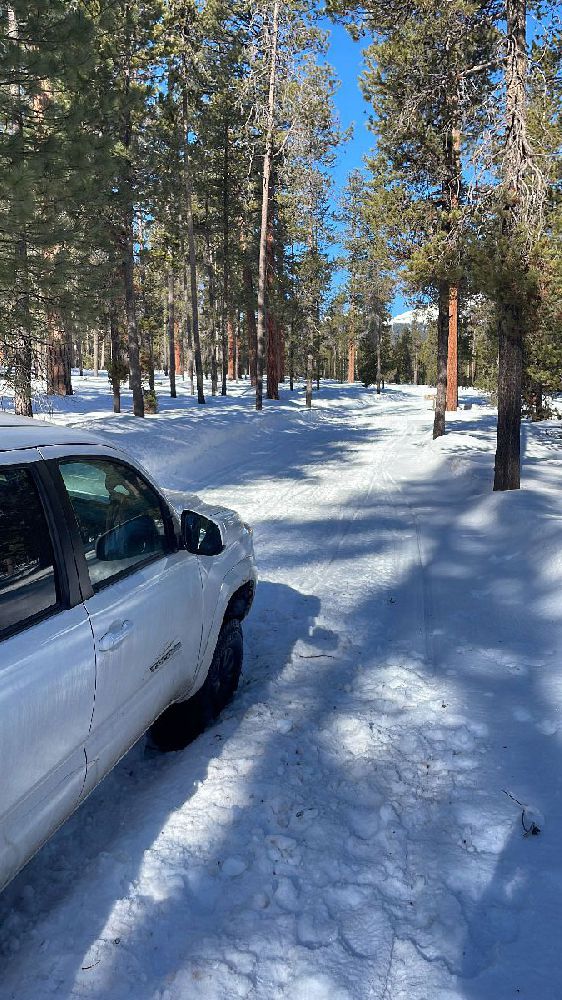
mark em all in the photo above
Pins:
pixel 119 516
pixel 28 582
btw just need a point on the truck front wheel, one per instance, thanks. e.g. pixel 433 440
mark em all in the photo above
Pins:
pixel 181 723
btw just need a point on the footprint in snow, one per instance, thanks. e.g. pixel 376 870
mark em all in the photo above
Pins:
pixel 547 727
pixel 522 714
pixel 367 932
pixel 284 726
pixel 287 896
pixel 315 927
pixel 364 823
pixel 280 848
pixel 232 867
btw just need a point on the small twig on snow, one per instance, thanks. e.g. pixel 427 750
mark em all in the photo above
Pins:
pixel 533 830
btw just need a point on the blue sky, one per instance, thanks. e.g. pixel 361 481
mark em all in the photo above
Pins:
pixel 345 56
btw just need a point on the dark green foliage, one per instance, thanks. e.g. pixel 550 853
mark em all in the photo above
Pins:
pixel 150 401
pixel 117 371
pixel 106 110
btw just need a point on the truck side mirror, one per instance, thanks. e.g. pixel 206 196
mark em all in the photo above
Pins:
pixel 200 535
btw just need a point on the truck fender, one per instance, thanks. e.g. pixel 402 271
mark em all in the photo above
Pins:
pixel 241 577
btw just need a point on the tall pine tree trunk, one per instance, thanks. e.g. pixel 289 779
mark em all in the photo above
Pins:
pixel 511 305
pixel 538 394
pixel 237 349
pixel 178 349
pixel 226 321
pixel 452 400
pixel 96 352
pixel 188 333
pixel 317 344
pixel 214 331
pixel 148 333
pixel 79 354
pixel 135 380
pixel 351 359
pixel 447 320
pixel 272 357
pixel 291 354
pixel 150 342
pixel 268 155
pixel 309 362
pixel 272 340
pixel 58 362
pixel 416 359
pixel 128 244
pixel 166 346
pixel 231 347
pixel 442 352
pixel 21 361
pixel 171 332
pixel 251 328
pixel 379 366
pixel 510 374
pixel 20 357
pixel 115 357
pixel 454 166
pixel 22 378
pixel 188 196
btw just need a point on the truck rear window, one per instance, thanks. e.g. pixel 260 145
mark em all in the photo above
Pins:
pixel 28 584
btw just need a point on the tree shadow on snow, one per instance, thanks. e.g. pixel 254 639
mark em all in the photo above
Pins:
pixel 370 833
pixel 225 443
pixel 490 897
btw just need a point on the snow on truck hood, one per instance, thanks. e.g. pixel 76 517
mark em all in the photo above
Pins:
pixel 228 519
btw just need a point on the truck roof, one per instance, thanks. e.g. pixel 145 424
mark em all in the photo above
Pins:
pixel 25 432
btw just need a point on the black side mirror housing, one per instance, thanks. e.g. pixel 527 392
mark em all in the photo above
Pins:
pixel 201 536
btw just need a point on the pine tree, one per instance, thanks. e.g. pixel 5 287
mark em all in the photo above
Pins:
pixel 426 73
pixel 370 284
pixel 523 191
pixel 126 37
pixel 46 183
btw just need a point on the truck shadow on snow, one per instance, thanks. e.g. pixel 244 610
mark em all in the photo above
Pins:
pixel 116 831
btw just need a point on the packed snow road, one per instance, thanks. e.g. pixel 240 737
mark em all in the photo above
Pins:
pixel 342 833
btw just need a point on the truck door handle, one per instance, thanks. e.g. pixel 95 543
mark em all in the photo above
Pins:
pixel 112 639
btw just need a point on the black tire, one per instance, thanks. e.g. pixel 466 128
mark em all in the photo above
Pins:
pixel 180 724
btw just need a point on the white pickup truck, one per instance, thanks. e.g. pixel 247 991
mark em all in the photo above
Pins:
pixel 120 610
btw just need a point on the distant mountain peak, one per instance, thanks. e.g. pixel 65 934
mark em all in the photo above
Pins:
pixel 422 316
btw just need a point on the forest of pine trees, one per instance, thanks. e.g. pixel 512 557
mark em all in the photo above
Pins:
pixel 167 200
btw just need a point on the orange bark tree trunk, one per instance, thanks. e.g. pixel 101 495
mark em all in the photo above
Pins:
pixel 452 350
pixel 58 359
pixel 171 333
pixel 231 347
pixel 178 351
pixel 267 162
pixel 251 327
pixel 351 351
pixel 272 344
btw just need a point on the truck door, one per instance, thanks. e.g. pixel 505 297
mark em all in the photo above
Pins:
pixel 47 668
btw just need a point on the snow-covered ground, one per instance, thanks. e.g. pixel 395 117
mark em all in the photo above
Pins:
pixel 353 827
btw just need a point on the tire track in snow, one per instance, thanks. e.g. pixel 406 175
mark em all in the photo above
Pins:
pixel 426 595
